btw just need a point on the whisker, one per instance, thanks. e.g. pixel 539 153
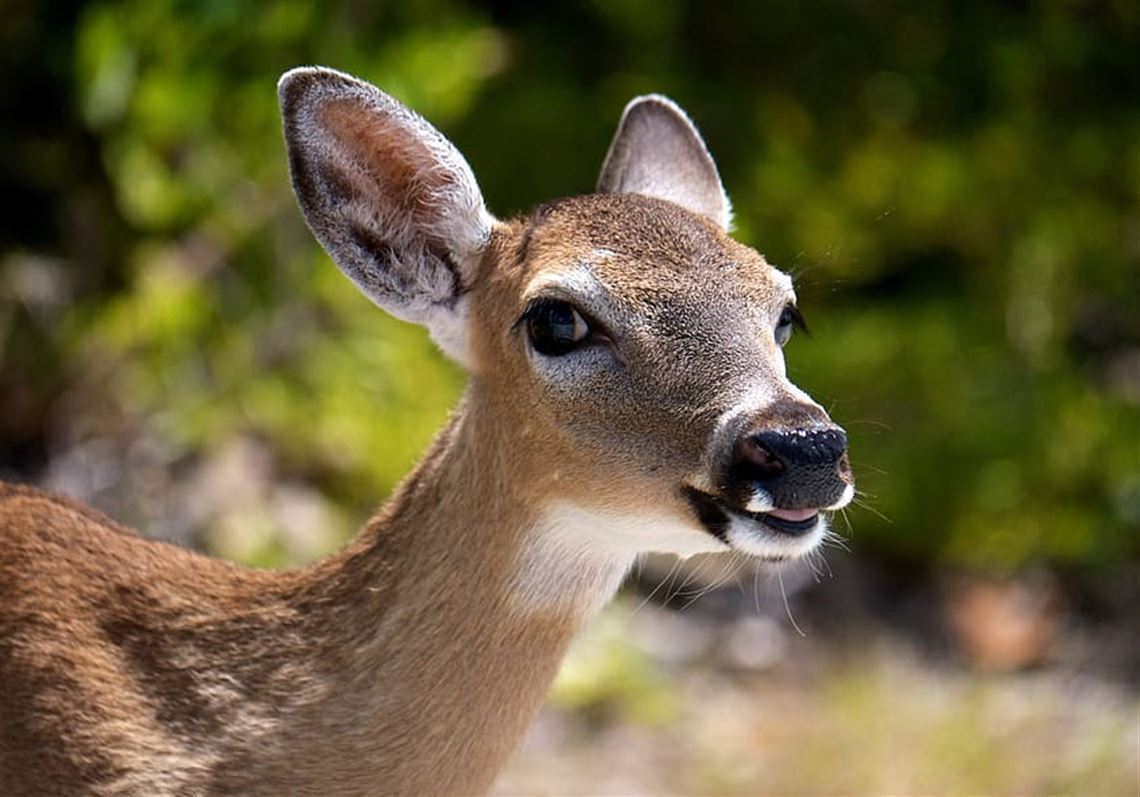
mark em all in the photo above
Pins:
pixel 823 560
pixel 684 584
pixel 735 562
pixel 871 509
pixel 725 574
pixel 731 568
pixel 739 581
pixel 812 562
pixel 835 541
pixel 660 584
pixel 696 574
pixel 847 521
pixel 756 588
pixel 869 422
pixel 787 606
pixel 799 269
pixel 868 466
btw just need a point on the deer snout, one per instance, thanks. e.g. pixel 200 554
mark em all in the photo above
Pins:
pixel 790 468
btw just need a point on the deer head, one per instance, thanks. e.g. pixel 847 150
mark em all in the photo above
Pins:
pixel 629 350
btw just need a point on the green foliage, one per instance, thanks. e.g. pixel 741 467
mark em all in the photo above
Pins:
pixel 955 188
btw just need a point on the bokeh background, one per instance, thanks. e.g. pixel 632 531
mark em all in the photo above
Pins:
pixel 955 186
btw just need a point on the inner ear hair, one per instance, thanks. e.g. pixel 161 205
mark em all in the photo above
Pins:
pixel 390 199
pixel 658 152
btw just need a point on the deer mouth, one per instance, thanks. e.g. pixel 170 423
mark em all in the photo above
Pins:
pixel 789 521
pixel 778 534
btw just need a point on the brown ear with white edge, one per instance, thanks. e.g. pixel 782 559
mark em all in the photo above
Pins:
pixel 658 152
pixel 389 198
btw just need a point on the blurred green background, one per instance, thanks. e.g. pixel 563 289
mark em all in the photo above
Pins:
pixel 955 187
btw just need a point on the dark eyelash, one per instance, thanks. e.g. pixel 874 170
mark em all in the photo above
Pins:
pixel 532 309
pixel 797 317
pixel 528 311
pixel 592 323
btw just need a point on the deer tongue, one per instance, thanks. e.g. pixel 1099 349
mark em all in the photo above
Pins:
pixel 794 515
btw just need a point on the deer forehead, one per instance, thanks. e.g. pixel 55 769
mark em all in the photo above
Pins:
pixel 643 261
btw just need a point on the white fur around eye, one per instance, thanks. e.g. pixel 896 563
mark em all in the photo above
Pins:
pixel 571 374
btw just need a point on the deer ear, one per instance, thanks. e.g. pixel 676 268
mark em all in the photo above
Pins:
pixel 390 199
pixel 658 152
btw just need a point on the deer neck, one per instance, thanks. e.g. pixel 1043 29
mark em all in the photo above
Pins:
pixel 446 619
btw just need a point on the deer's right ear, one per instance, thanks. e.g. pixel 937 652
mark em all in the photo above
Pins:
pixel 390 199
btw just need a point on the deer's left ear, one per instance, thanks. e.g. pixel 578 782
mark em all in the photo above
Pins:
pixel 658 152
pixel 389 198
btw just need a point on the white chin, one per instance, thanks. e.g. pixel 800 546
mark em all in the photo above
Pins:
pixel 755 538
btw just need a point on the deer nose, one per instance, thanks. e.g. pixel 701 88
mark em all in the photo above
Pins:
pixel 799 468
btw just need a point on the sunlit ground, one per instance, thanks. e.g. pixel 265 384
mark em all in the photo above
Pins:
pixel 658 702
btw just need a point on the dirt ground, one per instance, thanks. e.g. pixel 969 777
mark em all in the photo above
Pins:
pixel 728 697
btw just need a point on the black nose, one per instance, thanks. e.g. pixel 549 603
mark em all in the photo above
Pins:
pixel 800 468
pixel 798 447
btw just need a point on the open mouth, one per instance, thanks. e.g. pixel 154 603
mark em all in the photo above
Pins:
pixel 789 521
pixel 776 534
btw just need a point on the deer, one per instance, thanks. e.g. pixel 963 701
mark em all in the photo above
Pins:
pixel 627 394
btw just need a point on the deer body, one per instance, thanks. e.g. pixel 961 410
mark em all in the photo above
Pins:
pixel 612 410
pixel 171 673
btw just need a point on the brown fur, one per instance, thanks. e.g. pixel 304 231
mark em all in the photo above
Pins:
pixel 134 667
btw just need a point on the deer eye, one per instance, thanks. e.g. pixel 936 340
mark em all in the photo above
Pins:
pixel 790 319
pixel 555 328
